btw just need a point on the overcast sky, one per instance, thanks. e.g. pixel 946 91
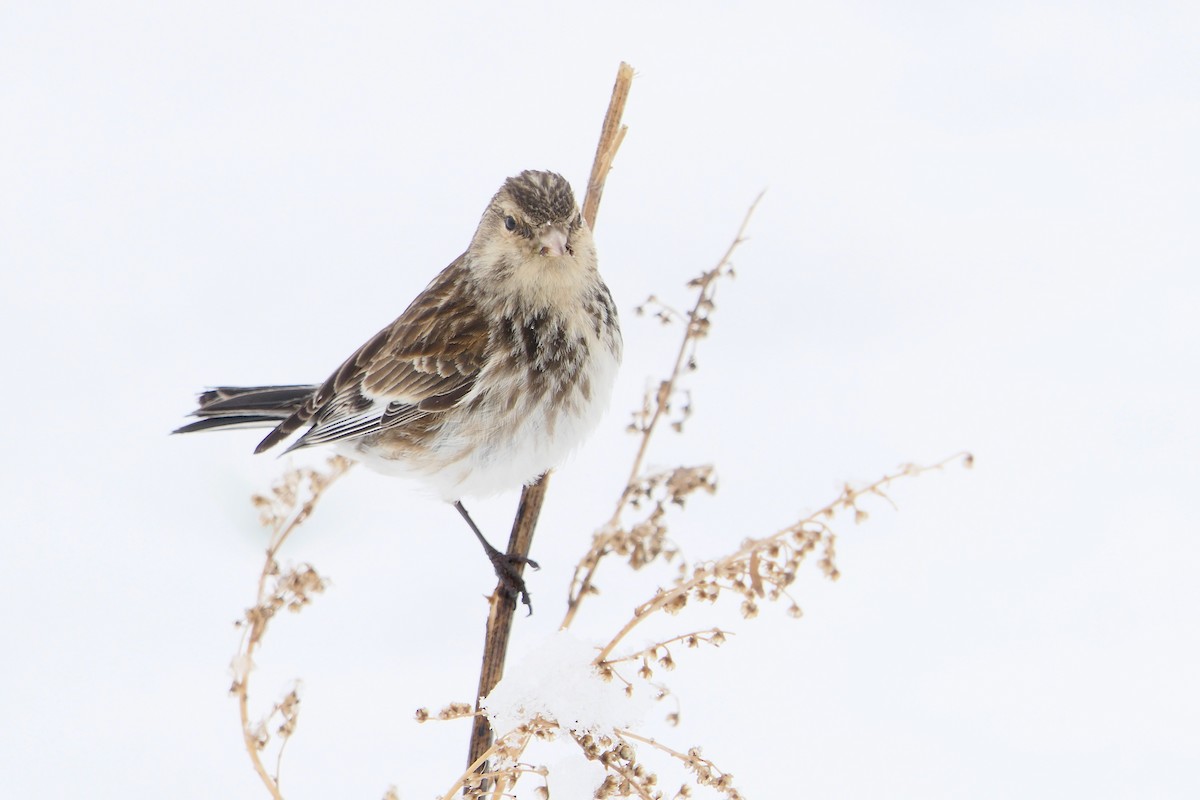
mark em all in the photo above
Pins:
pixel 979 232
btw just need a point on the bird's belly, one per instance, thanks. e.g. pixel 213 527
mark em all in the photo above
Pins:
pixel 493 444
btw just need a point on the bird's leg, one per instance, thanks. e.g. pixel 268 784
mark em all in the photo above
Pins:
pixel 507 566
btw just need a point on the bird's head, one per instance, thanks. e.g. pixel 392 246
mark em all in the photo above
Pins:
pixel 532 217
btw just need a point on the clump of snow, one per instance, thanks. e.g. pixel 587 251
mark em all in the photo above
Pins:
pixel 556 681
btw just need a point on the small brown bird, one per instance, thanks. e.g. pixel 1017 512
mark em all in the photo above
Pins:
pixel 494 373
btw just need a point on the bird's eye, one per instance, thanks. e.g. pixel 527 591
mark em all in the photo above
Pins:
pixel 510 223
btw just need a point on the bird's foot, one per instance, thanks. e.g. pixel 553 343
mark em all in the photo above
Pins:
pixel 508 569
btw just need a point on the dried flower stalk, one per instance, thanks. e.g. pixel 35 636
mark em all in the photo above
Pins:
pixel 291 501
pixel 646 540
pixel 765 568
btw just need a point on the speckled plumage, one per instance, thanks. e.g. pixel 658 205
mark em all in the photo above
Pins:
pixel 493 374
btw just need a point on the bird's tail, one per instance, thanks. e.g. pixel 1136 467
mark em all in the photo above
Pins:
pixel 246 407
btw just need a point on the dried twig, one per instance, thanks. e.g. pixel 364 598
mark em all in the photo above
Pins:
pixel 290 503
pixel 503 606
pixel 507 750
pixel 706 772
pixel 646 423
pixel 766 567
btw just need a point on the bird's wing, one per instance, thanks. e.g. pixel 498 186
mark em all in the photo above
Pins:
pixel 423 363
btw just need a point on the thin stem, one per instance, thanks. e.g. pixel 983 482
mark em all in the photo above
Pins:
pixel 625 734
pixel 258 617
pixel 688 759
pixel 252 746
pixel 502 606
pixel 650 652
pixel 845 500
pixel 625 773
pixel 477 765
pixel 581 585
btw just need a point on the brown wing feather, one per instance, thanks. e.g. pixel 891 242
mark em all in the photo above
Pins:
pixel 438 345
pixel 428 358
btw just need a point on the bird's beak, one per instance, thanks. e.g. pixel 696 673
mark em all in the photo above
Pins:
pixel 553 240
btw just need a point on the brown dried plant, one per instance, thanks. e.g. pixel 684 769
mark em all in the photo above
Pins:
pixel 290 502
pixel 645 540
pixel 761 569
pixel 758 570
pixel 616 751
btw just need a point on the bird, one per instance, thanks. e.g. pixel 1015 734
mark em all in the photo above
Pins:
pixel 494 374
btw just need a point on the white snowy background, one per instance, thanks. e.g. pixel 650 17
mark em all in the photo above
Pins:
pixel 980 231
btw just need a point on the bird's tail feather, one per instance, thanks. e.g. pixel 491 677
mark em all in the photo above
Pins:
pixel 246 407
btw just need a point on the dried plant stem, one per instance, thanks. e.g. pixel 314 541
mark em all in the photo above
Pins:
pixel 581 584
pixel 689 639
pixel 478 765
pixel 270 600
pixel 628 775
pixel 251 742
pixel 509 748
pixel 749 558
pixel 626 734
pixel 708 772
pixel 502 605
pixel 501 609
pixel 612 133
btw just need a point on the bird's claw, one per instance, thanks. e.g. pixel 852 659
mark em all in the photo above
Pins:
pixel 508 570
